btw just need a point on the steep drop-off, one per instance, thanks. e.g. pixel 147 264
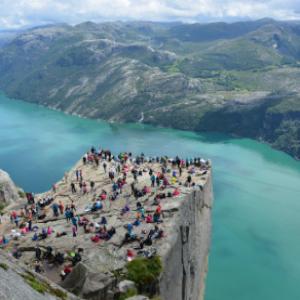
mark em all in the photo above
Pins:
pixel 182 249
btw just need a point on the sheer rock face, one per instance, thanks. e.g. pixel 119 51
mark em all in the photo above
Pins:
pixel 186 248
pixel 9 192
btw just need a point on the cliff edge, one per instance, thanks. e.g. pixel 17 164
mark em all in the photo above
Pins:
pixel 115 219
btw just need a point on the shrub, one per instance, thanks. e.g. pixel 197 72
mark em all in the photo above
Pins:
pixel 145 273
pixel 4 266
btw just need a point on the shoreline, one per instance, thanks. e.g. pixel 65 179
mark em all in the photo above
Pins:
pixel 153 125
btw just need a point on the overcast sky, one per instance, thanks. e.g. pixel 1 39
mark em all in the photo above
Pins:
pixel 20 13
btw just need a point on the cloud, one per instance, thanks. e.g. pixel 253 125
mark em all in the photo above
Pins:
pixel 20 13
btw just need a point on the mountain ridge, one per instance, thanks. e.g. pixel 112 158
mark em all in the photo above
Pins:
pixel 178 75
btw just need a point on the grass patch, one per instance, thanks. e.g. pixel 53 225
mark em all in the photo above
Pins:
pixel 21 194
pixel 43 287
pixel 144 272
pixel 2 206
pixel 4 266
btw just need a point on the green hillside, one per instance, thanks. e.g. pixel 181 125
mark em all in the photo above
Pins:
pixel 240 78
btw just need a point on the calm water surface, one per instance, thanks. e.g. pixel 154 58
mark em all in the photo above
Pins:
pixel 255 244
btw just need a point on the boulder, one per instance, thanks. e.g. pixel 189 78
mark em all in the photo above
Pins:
pixel 90 284
pixel 139 297
pixel 9 192
pixel 126 285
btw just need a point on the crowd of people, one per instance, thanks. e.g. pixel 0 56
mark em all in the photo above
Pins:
pixel 121 171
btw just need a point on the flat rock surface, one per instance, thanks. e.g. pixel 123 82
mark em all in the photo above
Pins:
pixel 106 256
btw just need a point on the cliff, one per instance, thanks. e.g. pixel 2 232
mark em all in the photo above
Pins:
pixel 9 192
pixel 185 253
pixel 179 239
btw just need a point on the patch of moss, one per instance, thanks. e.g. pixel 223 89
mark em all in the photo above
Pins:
pixel 58 293
pixel 144 272
pixel 4 266
pixel 2 206
pixel 21 194
pixel 34 283
pixel 43 287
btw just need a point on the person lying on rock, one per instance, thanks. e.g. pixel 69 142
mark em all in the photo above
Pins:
pixel 60 234
pixel 97 205
pixel 125 209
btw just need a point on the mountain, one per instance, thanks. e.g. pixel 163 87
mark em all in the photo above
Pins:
pixel 7 35
pixel 240 78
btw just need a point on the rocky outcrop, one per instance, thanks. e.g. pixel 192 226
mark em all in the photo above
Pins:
pixel 9 192
pixel 185 252
pixel 182 246
pixel 16 282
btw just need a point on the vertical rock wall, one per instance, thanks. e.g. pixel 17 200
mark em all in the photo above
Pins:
pixel 186 249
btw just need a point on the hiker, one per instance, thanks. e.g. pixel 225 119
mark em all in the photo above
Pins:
pixel 37 267
pixel 38 253
pixel 68 214
pixel 49 230
pixel 74 230
pixel 92 185
pixel 84 158
pixel 74 222
pixel 153 179
pixel 84 188
pixel 55 210
pixel 61 207
pixel 73 188
pixel 73 207
pixel 104 167
pixel 17 220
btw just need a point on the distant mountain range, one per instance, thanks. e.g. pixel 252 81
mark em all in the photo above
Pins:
pixel 240 78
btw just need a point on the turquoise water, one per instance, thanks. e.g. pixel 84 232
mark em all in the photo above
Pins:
pixel 255 244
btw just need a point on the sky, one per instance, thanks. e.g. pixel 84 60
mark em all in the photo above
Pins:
pixel 27 13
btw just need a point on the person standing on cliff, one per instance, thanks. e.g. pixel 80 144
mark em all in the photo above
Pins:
pixel 73 188
pixel 104 167
pixel 61 207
